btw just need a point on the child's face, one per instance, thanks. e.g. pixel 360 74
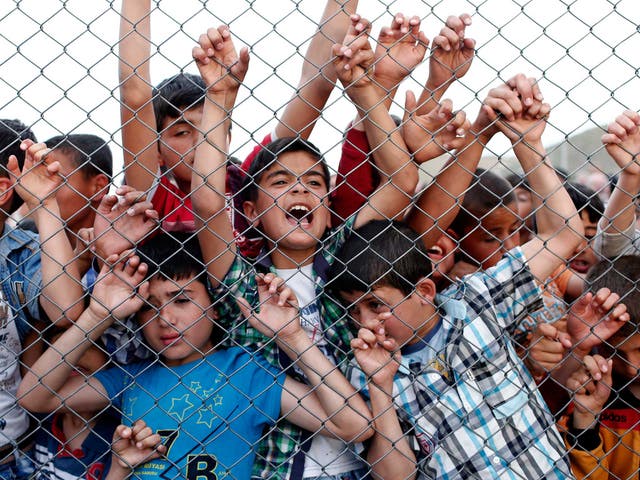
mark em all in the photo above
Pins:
pixel 413 316
pixel 78 193
pixel 177 322
pixel 292 203
pixel 626 362
pixel 178 142
pixel 585 256
pixel 493 237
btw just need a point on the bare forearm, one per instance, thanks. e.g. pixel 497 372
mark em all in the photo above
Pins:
pixel 344 407
pixel 139 129
pixel 318 75
pixel 557 217
pixel 439 204
pixel 208 187
pixel 62 292
pixel 621 208
pixel 42 382
pixel 134 53
pixel 388 148
pixel 390 454
pixel 431 95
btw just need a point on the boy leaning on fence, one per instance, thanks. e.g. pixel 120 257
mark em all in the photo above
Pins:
pixel 465 401
pixel 35 275
pixel 602 435
pixel 286 198
pixel 209 405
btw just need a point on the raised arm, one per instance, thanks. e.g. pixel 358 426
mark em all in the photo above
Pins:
pixel 328 404
pixel 222 70
pixel 451 56
pixel 399 174
pixel 560 229
pixel 318 75
pixel 622 142
pixel 139 129
pixel 61 293
pixel 49 385
pixel 439 204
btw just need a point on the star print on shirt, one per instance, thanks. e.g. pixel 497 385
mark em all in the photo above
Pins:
pixel 180 406
pixel 128 413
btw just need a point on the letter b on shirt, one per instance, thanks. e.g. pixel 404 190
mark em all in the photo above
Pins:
pixel 201 467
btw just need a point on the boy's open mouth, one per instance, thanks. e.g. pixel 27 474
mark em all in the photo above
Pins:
pixel 300 214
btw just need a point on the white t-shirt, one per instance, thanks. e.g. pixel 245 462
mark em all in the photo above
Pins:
pixel 327 456
pixel 14 420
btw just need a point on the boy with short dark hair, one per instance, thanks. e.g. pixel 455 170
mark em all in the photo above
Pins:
pixel 603 427
pixel 288 203
pixel 210 405
pixel 466 400
pixel 87 166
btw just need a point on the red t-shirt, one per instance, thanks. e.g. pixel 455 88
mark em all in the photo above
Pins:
pixel 357 177
pixel 173 207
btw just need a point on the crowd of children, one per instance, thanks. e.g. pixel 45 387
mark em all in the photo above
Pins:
pixel 216 319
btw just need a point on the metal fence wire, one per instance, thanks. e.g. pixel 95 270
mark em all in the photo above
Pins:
pixel 341 240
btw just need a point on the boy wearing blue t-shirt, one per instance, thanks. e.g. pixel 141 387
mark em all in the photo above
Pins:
pixel 209 405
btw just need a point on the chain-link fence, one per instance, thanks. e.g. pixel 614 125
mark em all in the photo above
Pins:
pixel 306 240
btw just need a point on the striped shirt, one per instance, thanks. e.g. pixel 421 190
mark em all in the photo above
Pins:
pixel 470 406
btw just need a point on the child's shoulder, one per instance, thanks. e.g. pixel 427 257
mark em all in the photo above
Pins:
pixel 19 240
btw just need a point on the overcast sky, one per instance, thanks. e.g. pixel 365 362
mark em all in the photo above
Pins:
pixel 58 68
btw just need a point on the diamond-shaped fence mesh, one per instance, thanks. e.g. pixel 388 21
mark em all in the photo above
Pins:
pixel 279 239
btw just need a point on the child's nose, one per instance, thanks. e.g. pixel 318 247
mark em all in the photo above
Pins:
pixel 166 317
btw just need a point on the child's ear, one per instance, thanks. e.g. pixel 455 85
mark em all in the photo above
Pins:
pixel 426 290
pixel 100 187
pixel 249 208
pixel 6 191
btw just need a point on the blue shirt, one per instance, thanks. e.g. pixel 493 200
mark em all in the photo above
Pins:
pixel 210 412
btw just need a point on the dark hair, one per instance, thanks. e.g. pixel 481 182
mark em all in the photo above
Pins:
pixel 620 275
pixel 177 256
pixel 90 154
pixel 488 191
pixel 12 133
pixel 175 95
pixel 585 198
pixel 380 253
pixel 268 156
pixel 174 256
pixel 518 181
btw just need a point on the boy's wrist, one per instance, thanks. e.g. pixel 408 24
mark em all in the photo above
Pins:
pixel 438 86
pixel 296 342
pixel 98 314
pixel 583 420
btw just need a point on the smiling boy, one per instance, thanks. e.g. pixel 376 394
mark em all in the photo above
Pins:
pixel 286 199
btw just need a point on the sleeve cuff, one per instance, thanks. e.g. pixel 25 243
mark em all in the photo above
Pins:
pixel 587 439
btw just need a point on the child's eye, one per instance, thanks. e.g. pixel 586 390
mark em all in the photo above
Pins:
pixel 181 300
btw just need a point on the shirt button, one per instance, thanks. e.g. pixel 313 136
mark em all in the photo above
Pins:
pixel 496 460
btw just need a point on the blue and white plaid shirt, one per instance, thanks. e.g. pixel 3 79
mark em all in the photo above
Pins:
pixel 471 407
